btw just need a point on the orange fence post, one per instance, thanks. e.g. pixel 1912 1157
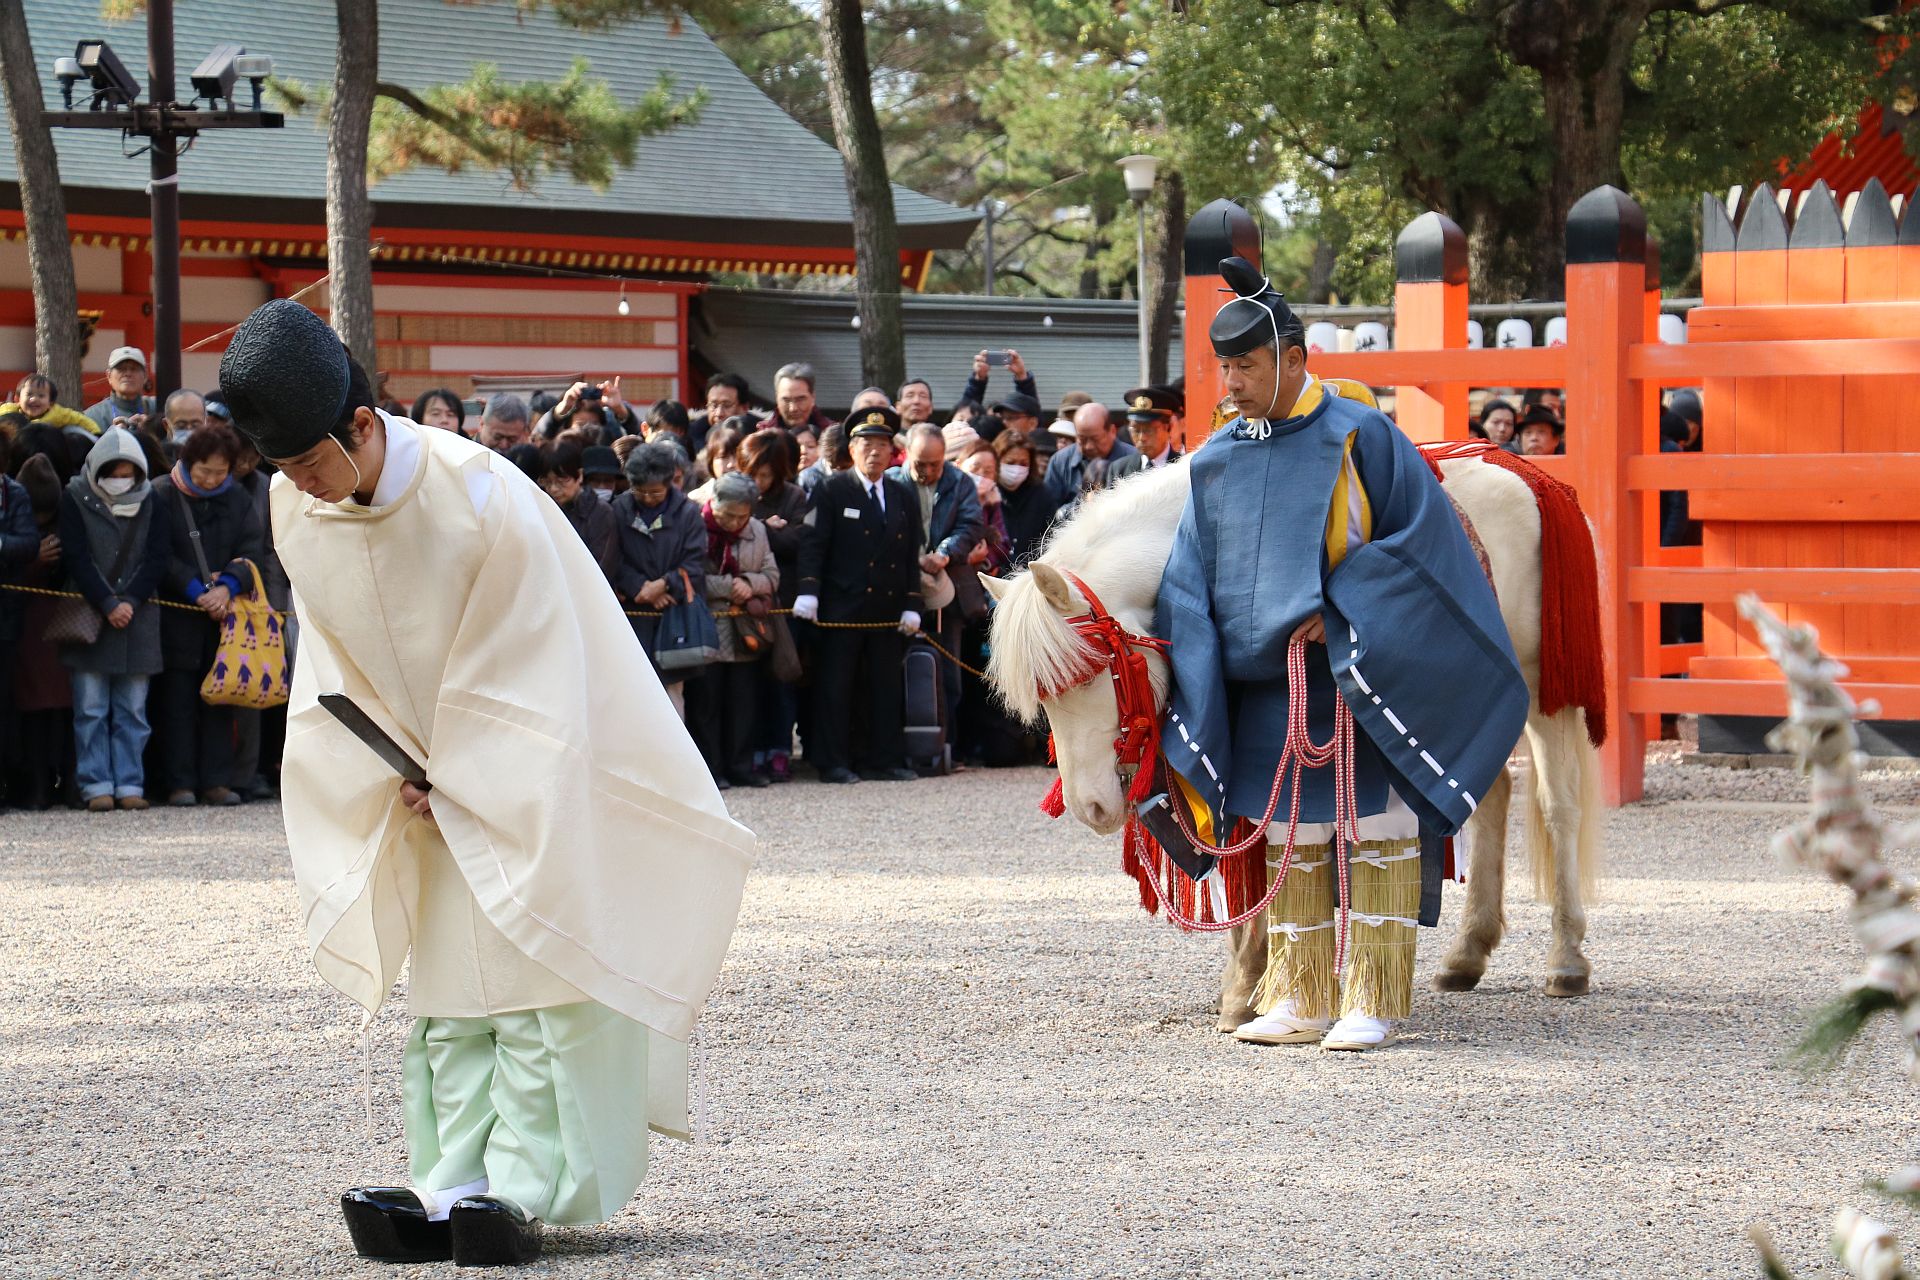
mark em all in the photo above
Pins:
pixel 1606 315
pixel 1220 230
pixel 1875 409
pixel 1812 410
pixel 1430 314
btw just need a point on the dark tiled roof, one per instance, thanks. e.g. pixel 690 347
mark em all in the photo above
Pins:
pixel 745 171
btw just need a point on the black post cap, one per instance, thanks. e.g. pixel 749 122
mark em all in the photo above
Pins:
pixel 1817 225
pixel 1606 225
pixel 1716 225
pixel 1873 223
pixel 1222 229
pixel 1431 248
pixel 1762 225
pixel 1909 224
pixel 1653 265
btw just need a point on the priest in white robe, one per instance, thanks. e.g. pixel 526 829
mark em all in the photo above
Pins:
pixel 567 880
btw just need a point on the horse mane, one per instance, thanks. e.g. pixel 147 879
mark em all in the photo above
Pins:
pixel 1116 542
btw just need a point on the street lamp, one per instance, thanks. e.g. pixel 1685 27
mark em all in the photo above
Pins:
pixel 114 104
pixel 1139 172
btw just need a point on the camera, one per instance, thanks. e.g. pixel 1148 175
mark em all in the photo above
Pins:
pixel 996 359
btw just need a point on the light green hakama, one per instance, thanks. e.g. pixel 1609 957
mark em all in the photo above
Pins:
pixel 548 1105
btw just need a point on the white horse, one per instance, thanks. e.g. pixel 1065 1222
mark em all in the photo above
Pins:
pixel 1117 543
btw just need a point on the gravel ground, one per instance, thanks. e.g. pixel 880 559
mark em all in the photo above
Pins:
pixel 951 1045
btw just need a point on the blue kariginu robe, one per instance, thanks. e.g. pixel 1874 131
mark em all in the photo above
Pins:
pixel 1273 533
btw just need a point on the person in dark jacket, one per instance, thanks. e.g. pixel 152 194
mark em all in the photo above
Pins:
pixel 214 538
pixel 663 549
pixel 19 550
pixel 768 458
pixel 39 755
pixel 562 477
pixel 260 736
pixel 113 546
pixel 950 526
pixel 1026 504
pixel 860 562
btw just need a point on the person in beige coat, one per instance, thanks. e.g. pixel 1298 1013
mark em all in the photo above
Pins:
pixel 743 584
pixel 564 883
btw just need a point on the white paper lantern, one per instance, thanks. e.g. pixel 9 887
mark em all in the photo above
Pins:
pixel 1370 335
pixel 1514 332
pixel 1476 335
pixel 1322 335
pixel 1557 332
pixel 1673 329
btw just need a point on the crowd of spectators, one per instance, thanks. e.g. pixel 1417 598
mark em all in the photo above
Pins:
pixel 825 550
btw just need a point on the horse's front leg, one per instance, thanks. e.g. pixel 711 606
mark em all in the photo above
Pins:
pixel 1484 921
pixel 1246 962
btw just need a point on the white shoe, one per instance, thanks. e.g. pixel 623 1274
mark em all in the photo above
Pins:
pixel 1356 1033
pixel 1282 1026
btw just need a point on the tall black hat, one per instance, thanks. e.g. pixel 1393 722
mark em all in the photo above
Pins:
pixel 285 376
pixel 1257 315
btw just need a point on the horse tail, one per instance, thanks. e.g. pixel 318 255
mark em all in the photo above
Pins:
pixel 1563 796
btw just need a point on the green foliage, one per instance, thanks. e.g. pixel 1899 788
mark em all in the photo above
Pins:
pixel 1835 1026
pixel 575 125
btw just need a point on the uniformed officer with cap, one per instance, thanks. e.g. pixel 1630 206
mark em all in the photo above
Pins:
pixel 1153 416
pixel 860 563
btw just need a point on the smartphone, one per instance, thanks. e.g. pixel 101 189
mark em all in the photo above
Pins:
pixel 996 359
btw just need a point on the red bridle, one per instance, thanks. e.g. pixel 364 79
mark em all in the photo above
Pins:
pixel 1118 652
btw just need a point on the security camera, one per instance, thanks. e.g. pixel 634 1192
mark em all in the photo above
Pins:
pixel 112 83
pixel 213 78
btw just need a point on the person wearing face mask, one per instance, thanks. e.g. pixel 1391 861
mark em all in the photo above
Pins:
pixel 113 547
pixel 600 470
pixel 214 536
pixel 663 547
pixel 551 863
pixel 562 477
pixel 186 413
pixel 1027 504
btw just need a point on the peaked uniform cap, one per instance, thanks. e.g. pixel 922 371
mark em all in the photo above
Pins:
pixel 1256 316
pixel 285 376
pixel 1154 402
pixel 877 421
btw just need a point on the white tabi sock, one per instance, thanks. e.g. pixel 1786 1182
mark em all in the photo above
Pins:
pixel 439 1204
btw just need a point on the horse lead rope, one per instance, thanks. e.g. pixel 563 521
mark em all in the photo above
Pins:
pixel 1299 752
pixel 1138 742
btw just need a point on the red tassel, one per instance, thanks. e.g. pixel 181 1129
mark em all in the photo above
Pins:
pixel 1572 663
pixel 1055 802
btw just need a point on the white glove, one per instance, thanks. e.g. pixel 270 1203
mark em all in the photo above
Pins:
pixel 910 622
pixel 807 607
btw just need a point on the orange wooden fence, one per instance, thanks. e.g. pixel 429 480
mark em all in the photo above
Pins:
pixel 1807 350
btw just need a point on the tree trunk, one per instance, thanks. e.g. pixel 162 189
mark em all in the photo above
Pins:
pixel 56 304
pixel 349 213
pixel 876 237
pixel 1581 51
pixel 1320 272
pixel 1166 276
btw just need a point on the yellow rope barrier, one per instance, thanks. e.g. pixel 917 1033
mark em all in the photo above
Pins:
pixel 631 613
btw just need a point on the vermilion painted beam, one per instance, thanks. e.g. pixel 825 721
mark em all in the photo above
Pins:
pixel 1803 321
pixel 1754 698
pixel 1853 357
pixel 1811 506
pixel 1775 472
pixel 1715 586
pixel 1486 367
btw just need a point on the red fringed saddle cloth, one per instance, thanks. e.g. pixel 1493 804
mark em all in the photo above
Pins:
pixel 1572 673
